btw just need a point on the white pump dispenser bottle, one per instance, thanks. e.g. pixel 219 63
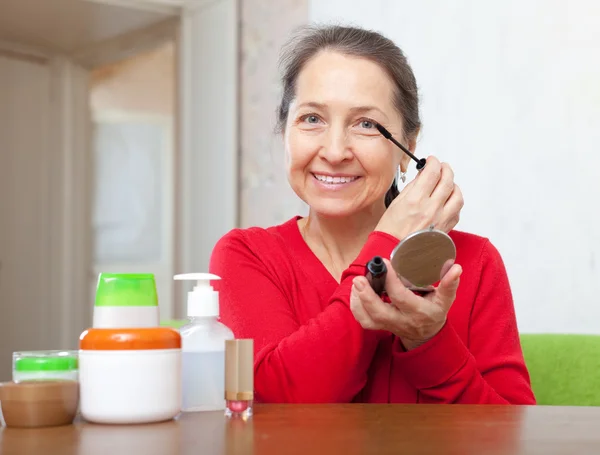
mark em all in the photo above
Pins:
pixel 203 347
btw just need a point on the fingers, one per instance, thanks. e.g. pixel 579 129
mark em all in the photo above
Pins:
pixel 396 290
pixel 429 177
pixel 450 213
pixel 409 317
pixel 379 313
pixel 408 187
pixel 445 185
pixel 446 268
pixel 446 291
pixel 437 183
pixel 357 308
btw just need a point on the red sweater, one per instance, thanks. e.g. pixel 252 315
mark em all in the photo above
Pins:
pixel 309 348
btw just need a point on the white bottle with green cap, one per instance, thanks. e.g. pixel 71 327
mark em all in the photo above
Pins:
pixel 126 300
pixel 203 347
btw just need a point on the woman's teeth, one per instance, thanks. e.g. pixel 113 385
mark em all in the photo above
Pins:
pixel 330 179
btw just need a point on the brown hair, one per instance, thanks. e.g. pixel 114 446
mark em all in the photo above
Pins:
pixel 358 42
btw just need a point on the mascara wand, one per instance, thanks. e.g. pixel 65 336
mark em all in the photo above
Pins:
pixel 385 133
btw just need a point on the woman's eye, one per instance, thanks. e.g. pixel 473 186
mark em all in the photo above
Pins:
pixel 368 124
pixel 311 119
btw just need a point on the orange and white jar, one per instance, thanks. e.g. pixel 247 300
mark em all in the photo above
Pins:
pixel 130 376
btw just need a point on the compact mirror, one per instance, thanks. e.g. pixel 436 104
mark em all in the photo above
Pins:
pixel 422 258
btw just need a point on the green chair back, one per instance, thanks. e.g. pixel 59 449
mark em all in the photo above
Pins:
pixel 564 369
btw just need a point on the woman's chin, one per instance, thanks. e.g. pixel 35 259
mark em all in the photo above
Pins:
pixel 334 208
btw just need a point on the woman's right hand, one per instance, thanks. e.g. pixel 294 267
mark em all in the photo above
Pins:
pixel 432 198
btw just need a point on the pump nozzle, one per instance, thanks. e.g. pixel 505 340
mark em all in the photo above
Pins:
pixel 201 278
pixel 203 300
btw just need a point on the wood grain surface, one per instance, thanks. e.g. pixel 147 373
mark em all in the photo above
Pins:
pixel 332 429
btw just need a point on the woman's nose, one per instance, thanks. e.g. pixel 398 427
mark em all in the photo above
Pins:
pixel 336 148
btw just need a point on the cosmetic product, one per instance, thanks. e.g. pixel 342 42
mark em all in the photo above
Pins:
pixel 44 365
pixel 34 404
pixel 239 378
pixel 126 300
pixel 203 347
pixel 376 274
pixel 385 133
pixel 129 376
pixel 422 258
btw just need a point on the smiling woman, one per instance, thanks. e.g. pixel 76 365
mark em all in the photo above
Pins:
pixel 298 289
pixel 330 134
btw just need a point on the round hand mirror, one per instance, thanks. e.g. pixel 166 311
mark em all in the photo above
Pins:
pixel 422 259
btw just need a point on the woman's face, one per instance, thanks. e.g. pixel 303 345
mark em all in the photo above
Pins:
pixel 337 161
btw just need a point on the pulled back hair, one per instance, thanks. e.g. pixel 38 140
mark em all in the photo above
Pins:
pixel 357 42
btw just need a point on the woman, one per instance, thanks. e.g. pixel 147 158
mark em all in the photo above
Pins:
pixel 298 289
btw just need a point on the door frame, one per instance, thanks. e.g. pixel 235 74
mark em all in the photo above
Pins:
pixel 206 167
pixel 159 6
pixel 206 123
pixel 70 187
pixel 66 310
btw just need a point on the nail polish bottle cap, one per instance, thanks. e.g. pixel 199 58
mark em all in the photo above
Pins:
pixel 239 370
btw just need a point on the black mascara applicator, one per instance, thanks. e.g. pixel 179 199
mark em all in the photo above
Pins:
pixel 385 133
pixel 376 274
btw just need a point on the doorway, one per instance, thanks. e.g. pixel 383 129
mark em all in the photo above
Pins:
pixel 51 195
pixel 132 104
pixel 65 149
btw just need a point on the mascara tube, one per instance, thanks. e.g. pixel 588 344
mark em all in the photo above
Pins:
pixel 376 273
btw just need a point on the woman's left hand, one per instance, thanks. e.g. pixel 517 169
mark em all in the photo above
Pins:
pixel 412 318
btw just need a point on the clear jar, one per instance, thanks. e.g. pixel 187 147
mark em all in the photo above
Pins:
pixel 45 365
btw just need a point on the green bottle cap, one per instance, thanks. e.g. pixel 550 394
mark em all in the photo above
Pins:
pixel 126 289
pixel 42 361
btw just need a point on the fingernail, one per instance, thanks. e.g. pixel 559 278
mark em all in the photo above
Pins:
pixel 358 284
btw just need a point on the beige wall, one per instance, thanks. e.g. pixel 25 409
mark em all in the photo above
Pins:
pixel 144 83
pixel 266 197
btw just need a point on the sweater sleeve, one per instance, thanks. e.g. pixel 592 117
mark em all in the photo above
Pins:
pixel 491 370
pixel 324 360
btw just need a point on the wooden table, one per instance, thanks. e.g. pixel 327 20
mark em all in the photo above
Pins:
pixel 332 429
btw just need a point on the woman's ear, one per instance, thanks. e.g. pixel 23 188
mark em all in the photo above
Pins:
pixel 412 145
pixel 404 162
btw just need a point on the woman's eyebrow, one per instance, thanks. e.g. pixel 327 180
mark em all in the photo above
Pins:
pixel 313 104
pixel 354 110
pixel 365 109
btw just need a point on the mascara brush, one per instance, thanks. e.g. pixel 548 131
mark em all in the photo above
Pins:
pixel 385 133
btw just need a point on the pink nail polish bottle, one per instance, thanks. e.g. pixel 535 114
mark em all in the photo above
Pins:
pixel 239 378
